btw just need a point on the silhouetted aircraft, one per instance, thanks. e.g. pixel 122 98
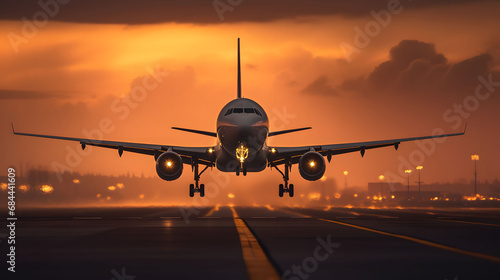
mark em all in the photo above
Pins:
pixel 242 132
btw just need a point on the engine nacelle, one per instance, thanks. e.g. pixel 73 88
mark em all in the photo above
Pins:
pixel 169 166
pixel 312 166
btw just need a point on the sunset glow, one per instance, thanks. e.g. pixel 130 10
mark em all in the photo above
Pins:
pixel 407 80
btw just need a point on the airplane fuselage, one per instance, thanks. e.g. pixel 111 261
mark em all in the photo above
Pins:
pixel 242 131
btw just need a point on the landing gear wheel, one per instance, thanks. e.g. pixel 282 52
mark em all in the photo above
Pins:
pixel 281 190
pixel 202 190
pixel 191 190
pixel 238 171
pixel 244 171
pixel 290 190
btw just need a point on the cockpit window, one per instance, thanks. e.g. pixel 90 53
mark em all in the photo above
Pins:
pixel 242 110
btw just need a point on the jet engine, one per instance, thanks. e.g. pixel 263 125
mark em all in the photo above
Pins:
pixel 312 166
pixel 169 166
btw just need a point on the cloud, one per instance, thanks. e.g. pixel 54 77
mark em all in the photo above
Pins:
pixel 320 86
pixel 29 94
pixel 415 68
pixel 410 59
pixel 202 12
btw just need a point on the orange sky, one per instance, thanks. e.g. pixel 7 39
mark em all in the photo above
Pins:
pixel 65 79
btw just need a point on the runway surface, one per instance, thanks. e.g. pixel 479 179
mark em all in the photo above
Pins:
pixel 226 242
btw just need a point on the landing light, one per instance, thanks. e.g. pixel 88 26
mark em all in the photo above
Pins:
pixel 312 163
pixel 273 150
pixel 169 163
pixel 210 150
pixel 242 153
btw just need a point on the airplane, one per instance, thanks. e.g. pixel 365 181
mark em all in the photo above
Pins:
pixel 242 131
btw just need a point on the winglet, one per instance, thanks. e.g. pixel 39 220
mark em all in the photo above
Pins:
pixel 465 128
pixel 239 70
pixel 13 131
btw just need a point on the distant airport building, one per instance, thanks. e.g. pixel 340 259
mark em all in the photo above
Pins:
pixel 384 188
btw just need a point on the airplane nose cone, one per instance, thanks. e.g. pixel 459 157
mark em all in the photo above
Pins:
pixel 252 137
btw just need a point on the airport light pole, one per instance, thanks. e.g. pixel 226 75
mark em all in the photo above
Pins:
pixel 475 158
pixel 345 176
pixel 408 171
pixel 381 178
pixel 419 182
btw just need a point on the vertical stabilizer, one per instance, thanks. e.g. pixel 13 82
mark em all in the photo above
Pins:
pixel 239 70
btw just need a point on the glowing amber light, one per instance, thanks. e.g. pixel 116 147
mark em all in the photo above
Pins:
pixel 419 167
pixel 210 150
pixel 314 196
pixel 24 188
pixel 408 171
pixel 141 196
pixel 111 188
pixel 392 196
pixel 3 186
pixel 76 181
pixel 273 150
pixel 108 197
pixel 337 195
pixel 242 153
pixel 46 189
pixel 230 195
pixel 312 163
pixel 345 173
pixel 120 185
pixel 381 177
pixel 98 195
pixel 169 163
pixel 474 157
pixel 355 195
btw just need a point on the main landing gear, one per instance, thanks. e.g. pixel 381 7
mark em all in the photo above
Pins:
pixel 285 188
pixel 196 187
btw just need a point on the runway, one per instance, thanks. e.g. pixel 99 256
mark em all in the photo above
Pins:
pixel 224 242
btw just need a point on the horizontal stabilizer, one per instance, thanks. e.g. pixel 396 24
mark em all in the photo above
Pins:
pixel 207 133
pixel 274 133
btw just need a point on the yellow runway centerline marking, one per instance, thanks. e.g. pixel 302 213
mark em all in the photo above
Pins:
pixel 420 241
pixel 473 223
pixel 216 208
pixel 256 262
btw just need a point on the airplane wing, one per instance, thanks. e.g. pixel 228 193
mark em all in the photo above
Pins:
pixel 282 154
pixel 188 154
